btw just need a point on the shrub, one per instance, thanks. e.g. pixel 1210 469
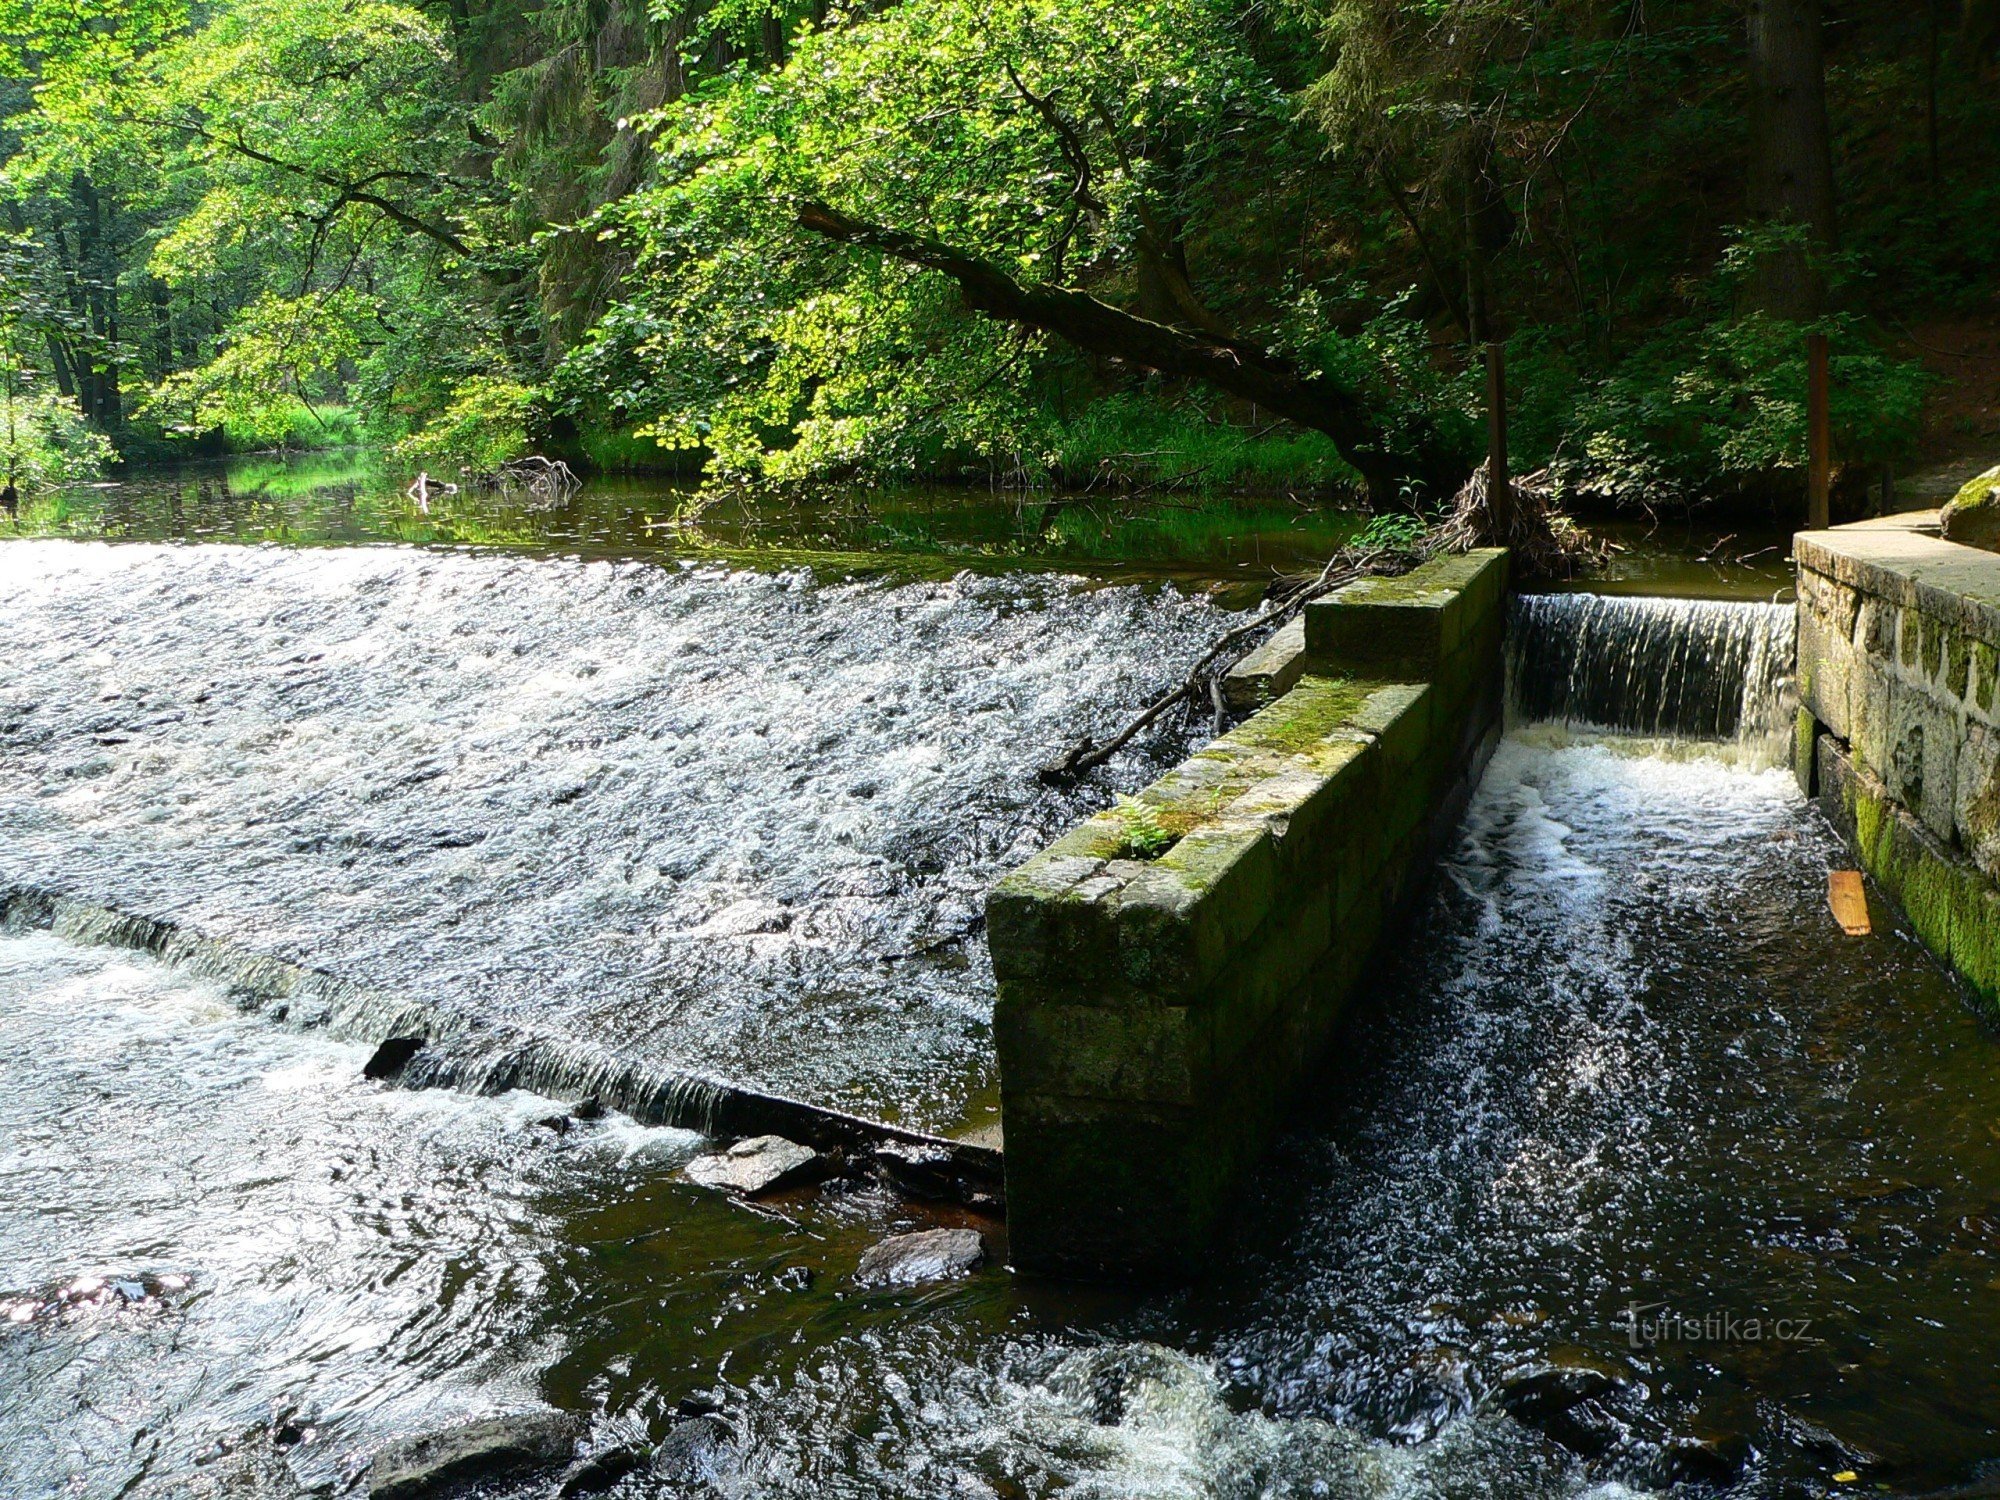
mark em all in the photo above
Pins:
pixel 482 426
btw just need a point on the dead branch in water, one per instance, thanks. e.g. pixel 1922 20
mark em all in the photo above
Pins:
pixel 549 480
pixel 1203 683
pixel 1545 542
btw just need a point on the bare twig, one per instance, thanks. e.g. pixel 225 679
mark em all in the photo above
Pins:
pixel 1203 679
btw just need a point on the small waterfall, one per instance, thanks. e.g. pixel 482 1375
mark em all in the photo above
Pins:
pixel 476 1056
pixel 1690 669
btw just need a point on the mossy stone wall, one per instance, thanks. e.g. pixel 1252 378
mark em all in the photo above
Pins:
pixel 1899 727
pixel 1157 1016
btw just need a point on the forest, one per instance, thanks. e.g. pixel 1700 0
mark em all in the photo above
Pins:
pixel 1042 243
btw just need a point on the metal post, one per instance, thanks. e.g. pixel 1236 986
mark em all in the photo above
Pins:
pixel 1820 434
pixel 1499 483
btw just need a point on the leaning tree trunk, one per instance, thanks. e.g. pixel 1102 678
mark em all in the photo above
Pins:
pixel 1791 152
pixel 1236 367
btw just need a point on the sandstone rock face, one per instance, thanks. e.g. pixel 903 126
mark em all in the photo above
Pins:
pixel 928 1255
pixel 762 1164
pixel 1973 516
pixel 421 1467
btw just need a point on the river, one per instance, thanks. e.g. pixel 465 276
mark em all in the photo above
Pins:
pixel 1623 1095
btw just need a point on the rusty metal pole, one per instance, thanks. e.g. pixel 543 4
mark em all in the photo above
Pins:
pixel 1819 424
pixel 1499 483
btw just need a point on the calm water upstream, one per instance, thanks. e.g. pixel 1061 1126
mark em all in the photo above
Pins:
pixel 1635 1174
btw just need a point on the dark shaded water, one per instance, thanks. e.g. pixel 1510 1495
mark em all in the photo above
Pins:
pixel 1626 1104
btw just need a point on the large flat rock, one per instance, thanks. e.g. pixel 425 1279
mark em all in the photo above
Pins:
pixel 761 1164
pixel 928 1255
pixel 417 1468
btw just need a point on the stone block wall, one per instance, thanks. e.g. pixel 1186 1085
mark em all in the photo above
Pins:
pixel 1169 974
pixel 1899 727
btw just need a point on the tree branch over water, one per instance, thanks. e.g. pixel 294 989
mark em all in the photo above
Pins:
pixel 1233 366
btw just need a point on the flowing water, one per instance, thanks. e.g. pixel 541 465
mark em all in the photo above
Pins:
pixel 1691 669
pixel 730 822
pixel 1632 1173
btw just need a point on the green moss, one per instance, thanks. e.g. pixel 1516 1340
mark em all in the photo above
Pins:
pixel 1983 675
pixel 1957 663
pixel 1805 736
pixel 1302 719
pixel 1979 493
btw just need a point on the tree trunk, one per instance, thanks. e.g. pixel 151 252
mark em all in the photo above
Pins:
pixel 1791 152
pixel 1236 367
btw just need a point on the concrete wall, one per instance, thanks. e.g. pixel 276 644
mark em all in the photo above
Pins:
pixel 1899 725
pixel 1159 1008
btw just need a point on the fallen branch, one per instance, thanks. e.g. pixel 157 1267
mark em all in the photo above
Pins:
pixel 1204 680
pixel 1546 543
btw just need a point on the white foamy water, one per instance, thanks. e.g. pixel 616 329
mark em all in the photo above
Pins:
pixel 730 822
pixel 209 1226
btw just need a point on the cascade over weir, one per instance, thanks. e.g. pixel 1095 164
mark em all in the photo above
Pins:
pixel 1170 972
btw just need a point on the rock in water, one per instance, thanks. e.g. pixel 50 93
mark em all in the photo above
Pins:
pixel 421 1467
pixel 928 1255
pixel 599 1472
pixel 694 1451
pixel 392 1057
pixel 1973 516
pixel 758 1165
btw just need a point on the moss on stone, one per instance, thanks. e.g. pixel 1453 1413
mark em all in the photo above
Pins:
pixel 1973 516
pixel 1302 719
pixel 1957 662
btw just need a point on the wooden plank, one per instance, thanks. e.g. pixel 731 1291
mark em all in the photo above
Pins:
pixel 1849 902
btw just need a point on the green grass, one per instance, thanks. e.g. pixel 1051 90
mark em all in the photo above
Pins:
pixel 1132 442
pixel 295 427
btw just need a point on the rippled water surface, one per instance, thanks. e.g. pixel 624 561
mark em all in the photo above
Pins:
pixel 1632 1173
pixel 737 822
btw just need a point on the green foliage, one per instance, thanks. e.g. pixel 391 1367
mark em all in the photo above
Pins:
pixel 461 220
pixel 1709 408
pixel 787 359
pixel 1139 825
pixel 45 443
pixel 483 426
pixel 1395 531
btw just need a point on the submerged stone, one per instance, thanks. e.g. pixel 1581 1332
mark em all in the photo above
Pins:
pixel 599 1472
pixel 1566 1402
pixel 429 1465
pixel 696 1450
pixel 928 1255
pixel 761 1164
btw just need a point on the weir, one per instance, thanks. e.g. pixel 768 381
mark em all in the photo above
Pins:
pixel 1695 669
pixel 490 1058
pixel 1899 732
pixel 1171 971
